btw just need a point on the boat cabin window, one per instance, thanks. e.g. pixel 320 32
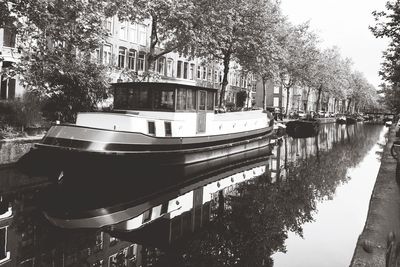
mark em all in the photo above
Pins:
pixel 186 99
pixel 164 99
pixel 151 127
pixel 202 100
pixel 168 129
pixel 157 97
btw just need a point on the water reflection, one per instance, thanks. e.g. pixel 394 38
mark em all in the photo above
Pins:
pixel 233 216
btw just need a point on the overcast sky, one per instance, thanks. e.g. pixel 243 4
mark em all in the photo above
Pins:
pixel 344 23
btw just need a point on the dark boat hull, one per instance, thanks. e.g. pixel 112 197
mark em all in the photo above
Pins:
pixel 302 128
pixel 350 120
pixel 57 154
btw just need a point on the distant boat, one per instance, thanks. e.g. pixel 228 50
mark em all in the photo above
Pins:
pixel 350 120
pixel 164 123
pixel 341 119
pixel 388 123
pixel 302 128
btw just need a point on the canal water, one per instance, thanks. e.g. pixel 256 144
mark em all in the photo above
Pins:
pixel 304 205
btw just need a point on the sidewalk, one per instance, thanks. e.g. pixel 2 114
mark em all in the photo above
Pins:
pixel 377 240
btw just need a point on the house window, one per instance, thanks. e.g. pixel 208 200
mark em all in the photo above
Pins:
pixel 8 37
pixel 151 125
pixel 215 76
pixel 141 61
pixel 185 70
pixel 123 32
pixel 132 32
pixel 168 128
pixel 7 88
pixel 108 25
pixel 204 73
pixel 121 57
pixel 209 74
pixel 199 72
pixel 98 55
pixel 179 69
pixel 220 77
pixel 191 72
pixel 170 63
pixel 142 35
pixel 131 59
pixel 107 55
pixel 161 65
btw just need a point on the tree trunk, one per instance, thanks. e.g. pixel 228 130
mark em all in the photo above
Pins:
pixel 319 98
pixel 308 95
pixel 348 105
pixel 264 102
pixel 227 59
pixel 334 105
pixel 151 57
pixel 287 100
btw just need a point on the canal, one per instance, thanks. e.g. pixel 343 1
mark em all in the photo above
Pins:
pixel 304 205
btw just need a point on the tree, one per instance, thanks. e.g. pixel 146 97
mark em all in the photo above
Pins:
pixel 300 57
pixel 387 26
pixel 227 28
pixel 262 57
pixel 326 76
pixel 56 39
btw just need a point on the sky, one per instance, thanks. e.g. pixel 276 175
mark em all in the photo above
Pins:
pixel 343 23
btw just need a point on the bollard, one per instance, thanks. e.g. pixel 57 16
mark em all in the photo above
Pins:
pixel 395 151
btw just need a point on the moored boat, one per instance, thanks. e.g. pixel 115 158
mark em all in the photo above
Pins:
pixel 350 120
pixel 164 123
pixel 341 119
pixel 302 128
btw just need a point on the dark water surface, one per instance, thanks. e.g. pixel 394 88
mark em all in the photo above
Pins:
pixel 305 205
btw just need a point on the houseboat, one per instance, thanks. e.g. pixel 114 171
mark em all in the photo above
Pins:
pixel 158 123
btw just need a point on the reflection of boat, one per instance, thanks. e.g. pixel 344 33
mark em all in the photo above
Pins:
pixel 302 128
pixel 134 207
pixel 170 124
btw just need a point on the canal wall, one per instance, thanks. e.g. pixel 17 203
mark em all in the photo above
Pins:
pixel 378 245
pixel 13 149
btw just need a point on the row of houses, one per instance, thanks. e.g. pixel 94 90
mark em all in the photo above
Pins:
pixel 125 49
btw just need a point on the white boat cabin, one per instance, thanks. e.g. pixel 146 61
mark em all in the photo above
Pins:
pixel 170 110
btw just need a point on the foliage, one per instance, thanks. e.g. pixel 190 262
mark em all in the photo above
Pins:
pixel 387 26
pixel 21 113
pixel 55 41
pixel 229 28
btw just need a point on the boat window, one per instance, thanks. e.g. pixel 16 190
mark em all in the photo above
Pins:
pixel 152 127
pixel 202 102
pixel 191 99
pixel 164 208
pixel 164 99
pixel 181 99
pixel 210 101
pixel 168 129
pixel 147 215
pixel 143 101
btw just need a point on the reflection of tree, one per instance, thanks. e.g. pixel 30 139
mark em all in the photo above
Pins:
pixel 254 225
pixel 259 214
